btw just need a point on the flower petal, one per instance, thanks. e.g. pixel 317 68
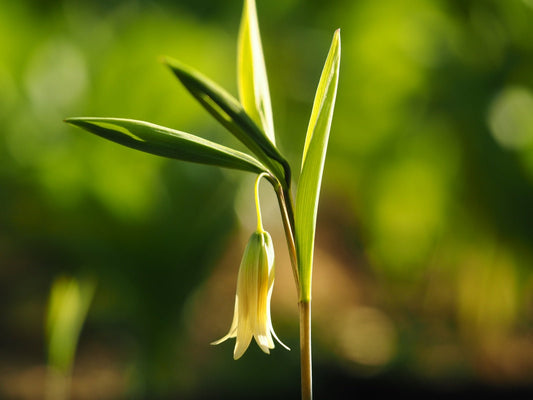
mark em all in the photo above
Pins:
pixel 255 282
pixel 244 337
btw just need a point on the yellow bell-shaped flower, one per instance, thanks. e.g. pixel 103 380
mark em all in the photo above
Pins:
pixel 252 301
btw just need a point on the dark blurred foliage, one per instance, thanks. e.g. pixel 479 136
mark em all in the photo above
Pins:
pixel 423 280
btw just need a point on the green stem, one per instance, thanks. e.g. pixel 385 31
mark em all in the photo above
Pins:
pixel 287 217
pixel 257 206
pixel 304 306
pixel 305 350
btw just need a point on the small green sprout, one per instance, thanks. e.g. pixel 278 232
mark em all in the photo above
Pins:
pixel 68 305
pixel 250 120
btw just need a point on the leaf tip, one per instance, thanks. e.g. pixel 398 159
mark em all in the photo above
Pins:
pixel 177 67
pixel 337 35
pixel 166 60
pixel 71 120
pixel 80 122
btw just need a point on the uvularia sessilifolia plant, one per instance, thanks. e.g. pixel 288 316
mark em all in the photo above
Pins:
pixel 250 120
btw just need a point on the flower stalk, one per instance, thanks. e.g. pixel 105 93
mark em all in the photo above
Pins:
pixel 255 282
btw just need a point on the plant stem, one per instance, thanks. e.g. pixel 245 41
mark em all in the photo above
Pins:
pixel 287 217
pixel 305 350
pixel 304 306
pixel 257 206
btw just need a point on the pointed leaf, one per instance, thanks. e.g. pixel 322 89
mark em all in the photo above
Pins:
pixel 253 84
pixel 167 142
pixel 314 155
pixel 230 113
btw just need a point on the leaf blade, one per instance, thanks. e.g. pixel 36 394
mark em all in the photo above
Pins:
pixel 314 154
pixel 166 142
pixel 254 92
pixel 230 113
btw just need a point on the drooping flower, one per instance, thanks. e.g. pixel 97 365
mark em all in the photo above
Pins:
pixel 255 282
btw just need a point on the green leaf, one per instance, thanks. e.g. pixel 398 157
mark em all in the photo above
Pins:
pixel 161 141
pixel 314 155
pixel 68 304
pixel 252 78
pixel 230 113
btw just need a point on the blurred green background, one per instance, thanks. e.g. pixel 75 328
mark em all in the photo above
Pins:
pixel 423 282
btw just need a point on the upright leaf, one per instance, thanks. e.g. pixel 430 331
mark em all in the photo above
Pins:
pixel 314 155
pixel 230 113
pixel 252 78
pixel 68 304
pixel 167 142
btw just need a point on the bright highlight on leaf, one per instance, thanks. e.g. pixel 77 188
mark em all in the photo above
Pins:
pixel 166 142
pixel 314 155
pixel 252 78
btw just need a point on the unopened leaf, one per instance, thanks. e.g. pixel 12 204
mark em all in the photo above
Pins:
pixel 253 84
